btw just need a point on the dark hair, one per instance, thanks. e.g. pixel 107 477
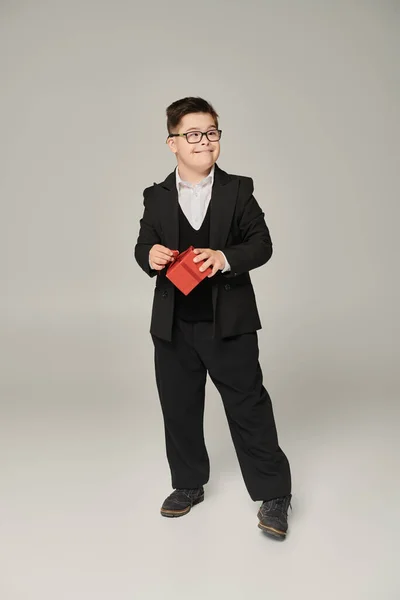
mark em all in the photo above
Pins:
pixel 185 106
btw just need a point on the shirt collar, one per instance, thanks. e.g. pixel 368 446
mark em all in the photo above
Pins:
pixel 209 178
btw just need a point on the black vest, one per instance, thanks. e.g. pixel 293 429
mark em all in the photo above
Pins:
pixel 196 306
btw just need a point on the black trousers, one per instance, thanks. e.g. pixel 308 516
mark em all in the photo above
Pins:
pixel 232 363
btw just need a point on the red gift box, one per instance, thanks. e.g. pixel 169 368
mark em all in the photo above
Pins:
pixel 184 273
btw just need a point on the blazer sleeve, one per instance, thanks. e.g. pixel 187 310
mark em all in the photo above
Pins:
pixel 148 235
pixel 255 248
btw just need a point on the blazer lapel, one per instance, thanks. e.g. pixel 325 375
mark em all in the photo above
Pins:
pixel 169 217
pixel 223 200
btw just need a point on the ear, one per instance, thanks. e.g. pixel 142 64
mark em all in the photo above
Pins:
pixel 171 144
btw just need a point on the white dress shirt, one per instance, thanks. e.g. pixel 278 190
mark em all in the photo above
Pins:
pixel 194 199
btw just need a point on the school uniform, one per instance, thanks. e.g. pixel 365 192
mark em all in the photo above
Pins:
pixel 212 330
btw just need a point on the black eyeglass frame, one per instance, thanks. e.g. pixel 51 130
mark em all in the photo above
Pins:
pixel 197 141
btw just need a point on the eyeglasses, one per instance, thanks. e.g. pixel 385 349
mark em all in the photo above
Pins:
pixel 194 137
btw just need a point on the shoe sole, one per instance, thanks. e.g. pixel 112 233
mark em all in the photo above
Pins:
pixel 271 532
pixel 180 513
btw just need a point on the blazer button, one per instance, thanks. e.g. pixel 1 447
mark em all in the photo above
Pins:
pixel 164 294
pixel 227 287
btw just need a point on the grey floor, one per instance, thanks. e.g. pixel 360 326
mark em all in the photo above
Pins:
pixel 84 473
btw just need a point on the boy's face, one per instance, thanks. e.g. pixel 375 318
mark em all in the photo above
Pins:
pixel 202 155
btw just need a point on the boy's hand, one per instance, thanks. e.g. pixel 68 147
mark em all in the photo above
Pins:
pixel 212 258
pixel 159 256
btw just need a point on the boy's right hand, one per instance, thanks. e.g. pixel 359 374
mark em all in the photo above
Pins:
pixel 159 256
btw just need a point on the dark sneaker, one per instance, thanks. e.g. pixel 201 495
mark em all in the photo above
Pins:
pixel 181 501
pixel 273 516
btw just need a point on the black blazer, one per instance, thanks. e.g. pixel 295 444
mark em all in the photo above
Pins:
pixel 237 228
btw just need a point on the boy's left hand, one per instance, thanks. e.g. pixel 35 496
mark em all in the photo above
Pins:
pixel 212 258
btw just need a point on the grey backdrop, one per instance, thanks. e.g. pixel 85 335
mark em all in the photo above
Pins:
pixel 308 96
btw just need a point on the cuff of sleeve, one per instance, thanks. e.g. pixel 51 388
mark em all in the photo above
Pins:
pixel 227 266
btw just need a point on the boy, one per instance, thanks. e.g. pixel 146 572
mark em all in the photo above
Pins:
pixel 214 328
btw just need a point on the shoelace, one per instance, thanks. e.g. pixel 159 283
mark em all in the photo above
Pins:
pixel 188 491
pixel 281 504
